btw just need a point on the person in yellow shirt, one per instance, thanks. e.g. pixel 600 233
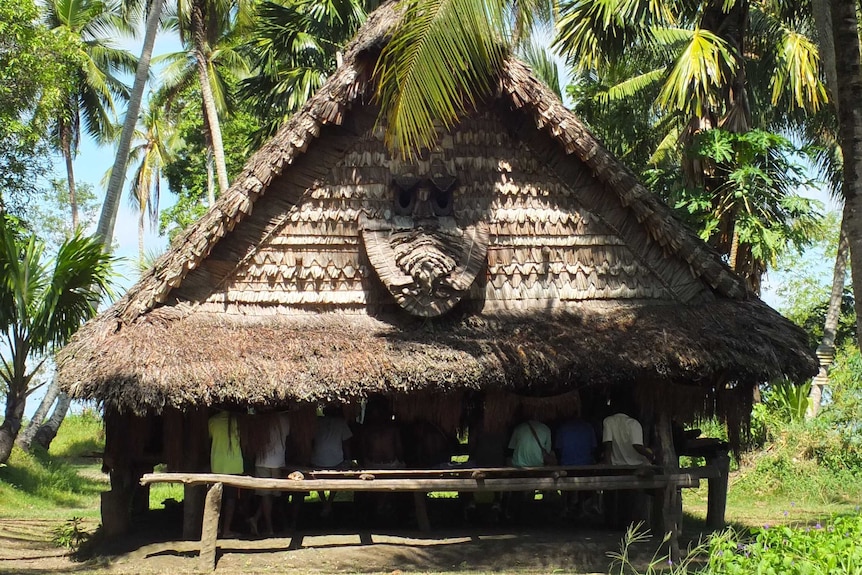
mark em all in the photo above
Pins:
pixel 226 457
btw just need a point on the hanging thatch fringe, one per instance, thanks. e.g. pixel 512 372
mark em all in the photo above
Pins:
pixel 442 409
pixel 303 425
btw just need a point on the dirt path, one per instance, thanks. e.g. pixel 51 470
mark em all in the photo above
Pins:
pixel 27 550
pixel 26 547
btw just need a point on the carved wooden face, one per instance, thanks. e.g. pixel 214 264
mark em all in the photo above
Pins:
pixel 425 260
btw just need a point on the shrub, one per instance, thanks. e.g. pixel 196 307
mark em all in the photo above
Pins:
pixel 830 549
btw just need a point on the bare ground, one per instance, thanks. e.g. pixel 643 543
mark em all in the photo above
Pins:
pixel 26 548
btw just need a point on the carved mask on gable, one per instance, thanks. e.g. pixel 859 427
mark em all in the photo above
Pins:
pixel 425 260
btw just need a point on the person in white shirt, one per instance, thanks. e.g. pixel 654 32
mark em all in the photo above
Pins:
pixel 331 447
pixel 623 439
pixel 269 463
pixel 623 442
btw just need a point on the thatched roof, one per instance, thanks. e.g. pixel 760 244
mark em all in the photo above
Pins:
pixel 332 356
pixel 153 348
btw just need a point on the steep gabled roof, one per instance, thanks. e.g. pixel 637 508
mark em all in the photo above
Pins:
pixel 330 105
pixel 141 355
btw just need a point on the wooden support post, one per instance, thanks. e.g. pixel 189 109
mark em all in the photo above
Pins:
pixel 194 459
pixel 668 502
pixel 717 490
pixel 209 534
pixel 421 511
pixel 115 512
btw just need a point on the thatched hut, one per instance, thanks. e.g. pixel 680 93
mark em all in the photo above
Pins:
pixel 517 258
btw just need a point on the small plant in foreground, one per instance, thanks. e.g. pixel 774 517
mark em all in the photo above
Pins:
pixel 623 564
pixel 70 534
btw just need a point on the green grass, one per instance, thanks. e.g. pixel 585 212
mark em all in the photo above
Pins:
pixel 80 436
pixel 59 484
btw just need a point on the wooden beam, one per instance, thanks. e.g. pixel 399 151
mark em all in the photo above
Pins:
pixel 432 484
pixel 209 533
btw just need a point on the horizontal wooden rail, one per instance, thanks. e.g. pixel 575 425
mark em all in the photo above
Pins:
pixel 427 484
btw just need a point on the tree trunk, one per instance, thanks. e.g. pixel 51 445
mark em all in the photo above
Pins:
pixel 46 433
pixel 15 402
pixel 826 45
pixel 846 35
pixel 141 239
pixel 210 178
pixel 26 437
pixel 826 349
pixel 108 216
pixel 66 147
pixel 210 113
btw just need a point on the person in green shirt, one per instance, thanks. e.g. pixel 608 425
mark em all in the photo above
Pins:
pixel 226 457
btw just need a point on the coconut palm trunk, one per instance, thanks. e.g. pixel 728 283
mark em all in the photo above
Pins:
pixel 849 74
pixel 16 395
pixel 25 439
pixel 826 349
pixel 108 216
pixel 47 432
pixel 211 115
pixel 66 148
pixel 14 414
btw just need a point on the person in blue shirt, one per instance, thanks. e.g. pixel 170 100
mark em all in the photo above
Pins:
pixel 575 442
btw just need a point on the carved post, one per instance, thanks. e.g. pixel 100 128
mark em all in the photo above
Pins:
pixel 209 532
pixel 825 355
pixel 195 445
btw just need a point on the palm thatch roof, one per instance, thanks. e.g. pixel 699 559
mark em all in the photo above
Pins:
pixel 162 346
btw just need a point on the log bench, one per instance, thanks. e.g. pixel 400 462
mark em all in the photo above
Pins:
pixel 421 482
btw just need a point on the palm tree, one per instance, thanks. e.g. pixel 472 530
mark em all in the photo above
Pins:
pixel 731 65
pixel 848 96
pixel 209 30
pixel 294 46
pixel 41 306
pixel 156 140
pixel 111 205
pixel 90 101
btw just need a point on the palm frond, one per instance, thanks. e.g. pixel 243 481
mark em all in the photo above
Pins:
pixel 632 86
pixel 441 61
pixel 699 72
pixel 543 64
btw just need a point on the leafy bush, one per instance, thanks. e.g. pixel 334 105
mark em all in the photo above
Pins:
pixel 831 549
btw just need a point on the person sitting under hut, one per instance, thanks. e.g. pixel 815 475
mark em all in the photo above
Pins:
pixel 226 457
pixel 331 447
pixel 529 446
pixel 622 439
pixel 575 444
pixel 268 464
